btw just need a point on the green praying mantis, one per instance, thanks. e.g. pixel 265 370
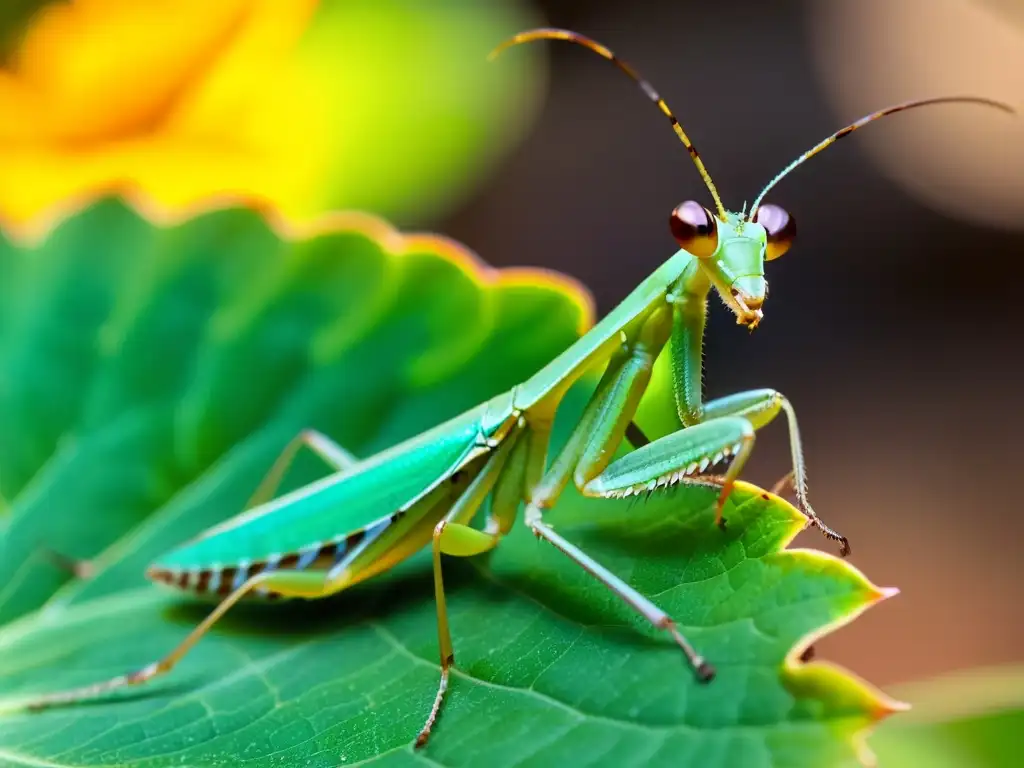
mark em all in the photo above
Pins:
pixel 368 515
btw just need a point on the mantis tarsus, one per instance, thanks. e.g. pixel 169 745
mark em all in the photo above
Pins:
pixel 369 515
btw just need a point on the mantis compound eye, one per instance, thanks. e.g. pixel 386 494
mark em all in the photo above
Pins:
pixel 780 226
pixel 694 228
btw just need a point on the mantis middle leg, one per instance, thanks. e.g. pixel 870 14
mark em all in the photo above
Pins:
pixel 453 536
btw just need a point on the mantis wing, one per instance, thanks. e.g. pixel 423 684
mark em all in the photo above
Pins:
pixel 342 503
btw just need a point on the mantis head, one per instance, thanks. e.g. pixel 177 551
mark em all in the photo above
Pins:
pixel 732 251
pixel 732 248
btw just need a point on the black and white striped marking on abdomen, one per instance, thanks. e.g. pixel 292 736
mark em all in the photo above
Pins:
pixel 223 579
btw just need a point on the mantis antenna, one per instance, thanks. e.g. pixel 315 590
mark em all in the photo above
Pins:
pixel 869 118
pixel 546 33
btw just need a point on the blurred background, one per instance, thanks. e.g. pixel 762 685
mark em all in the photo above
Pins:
pixel 893 323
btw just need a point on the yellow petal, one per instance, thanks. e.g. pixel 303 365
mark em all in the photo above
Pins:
pixel 185 100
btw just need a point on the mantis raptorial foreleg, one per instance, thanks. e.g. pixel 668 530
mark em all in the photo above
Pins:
pixel 333 455
pixel 758 406
pixel 674 458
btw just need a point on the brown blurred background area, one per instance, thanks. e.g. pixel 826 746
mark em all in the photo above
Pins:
pixel 894 322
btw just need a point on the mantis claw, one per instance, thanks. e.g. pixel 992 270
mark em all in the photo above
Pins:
pixel 844 546
pixel 844 543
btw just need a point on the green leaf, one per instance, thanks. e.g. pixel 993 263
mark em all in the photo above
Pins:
pixel 150 374
pixel 967 719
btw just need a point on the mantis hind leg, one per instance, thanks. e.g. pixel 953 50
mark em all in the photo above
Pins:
pixel 80 569
pixel 306 584
pixel 332 454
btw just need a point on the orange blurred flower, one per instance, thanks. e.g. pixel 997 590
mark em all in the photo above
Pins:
pixel 301 105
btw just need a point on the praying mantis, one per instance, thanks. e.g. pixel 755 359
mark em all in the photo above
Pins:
pixel 369 515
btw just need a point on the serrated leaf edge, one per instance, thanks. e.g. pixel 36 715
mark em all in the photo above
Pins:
pixel 294 229
pixel 794 669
